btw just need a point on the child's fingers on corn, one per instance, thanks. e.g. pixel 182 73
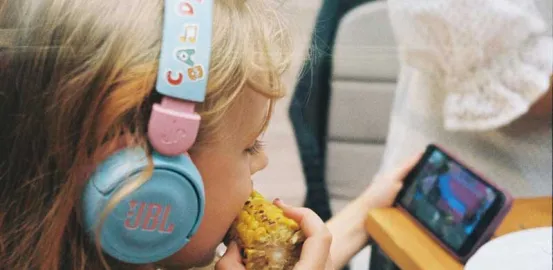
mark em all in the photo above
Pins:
pixel 316 248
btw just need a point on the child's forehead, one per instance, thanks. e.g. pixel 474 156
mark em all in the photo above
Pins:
pixel 246 118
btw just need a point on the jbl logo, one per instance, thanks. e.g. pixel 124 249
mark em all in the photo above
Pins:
pixel 148 217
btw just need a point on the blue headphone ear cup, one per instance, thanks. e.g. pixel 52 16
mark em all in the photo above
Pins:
pixel 155 220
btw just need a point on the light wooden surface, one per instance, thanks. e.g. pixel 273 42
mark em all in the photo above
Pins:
pixel 412 249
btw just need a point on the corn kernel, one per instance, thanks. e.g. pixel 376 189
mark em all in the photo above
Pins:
pixel 268 238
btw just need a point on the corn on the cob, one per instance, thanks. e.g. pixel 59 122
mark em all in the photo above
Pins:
pixel 268 239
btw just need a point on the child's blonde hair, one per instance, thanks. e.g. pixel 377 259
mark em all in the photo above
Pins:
pixel 77 78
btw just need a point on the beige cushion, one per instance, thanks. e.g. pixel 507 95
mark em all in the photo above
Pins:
pixel 365 48
pixel 359 111
pixel 365 68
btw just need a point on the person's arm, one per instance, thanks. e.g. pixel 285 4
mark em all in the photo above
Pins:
pixel 348 232
pixel 492 58
pixel 348 226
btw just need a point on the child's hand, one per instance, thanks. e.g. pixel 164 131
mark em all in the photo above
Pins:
pixel 315 251
pixel 384 188
pixel 316 248
pixel 231 260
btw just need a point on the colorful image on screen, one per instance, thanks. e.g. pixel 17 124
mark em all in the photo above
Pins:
pixel 447 199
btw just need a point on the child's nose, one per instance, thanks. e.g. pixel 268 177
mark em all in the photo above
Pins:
pixel 258 162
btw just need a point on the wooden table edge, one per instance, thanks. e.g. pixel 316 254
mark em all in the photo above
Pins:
pixel 526 213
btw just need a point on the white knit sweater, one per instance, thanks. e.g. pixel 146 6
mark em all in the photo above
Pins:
pixel 470 69
pixel 493 58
